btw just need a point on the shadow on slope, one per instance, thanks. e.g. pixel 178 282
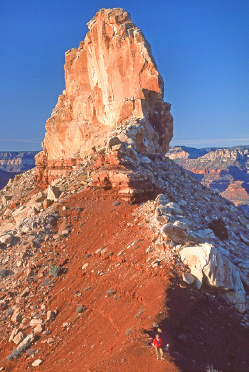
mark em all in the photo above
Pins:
pixel 202 329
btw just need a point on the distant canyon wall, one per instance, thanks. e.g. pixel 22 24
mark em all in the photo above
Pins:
pixel 225 170
pixel 15 162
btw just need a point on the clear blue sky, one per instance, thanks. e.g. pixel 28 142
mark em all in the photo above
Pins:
pixel 201 48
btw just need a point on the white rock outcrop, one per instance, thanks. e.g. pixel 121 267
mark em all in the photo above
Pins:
pixel 211 267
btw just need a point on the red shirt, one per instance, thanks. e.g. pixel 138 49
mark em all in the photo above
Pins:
pixel 157 342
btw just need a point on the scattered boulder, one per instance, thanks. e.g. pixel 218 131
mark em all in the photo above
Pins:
pixel 6 239
pixel 35 322
pixel 13 334
pixel 80 309
pixel 174 207
pixel 37 363
pixel 113 142
pixel 188 278
pixel 182 225
pixel 174 233
pixel 4 272
pixel 50 315
pixel 19 337
pixel 39 328
pixel 205 234
pixel 244 238
pixel 237 298
pixel 53 193
pixel 47 203
pixel 25 292
pixel 16 316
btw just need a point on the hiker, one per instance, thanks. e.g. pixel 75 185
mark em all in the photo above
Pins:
pixel 157 343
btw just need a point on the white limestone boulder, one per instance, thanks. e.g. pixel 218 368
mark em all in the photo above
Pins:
pixel 209 266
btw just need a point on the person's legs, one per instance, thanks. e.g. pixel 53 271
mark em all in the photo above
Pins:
pixel 161 352
pixel 157 355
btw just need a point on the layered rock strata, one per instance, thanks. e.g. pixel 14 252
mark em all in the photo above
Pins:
pixel 225 170
pixel 112 84
pixel 13 163
pixel 17 161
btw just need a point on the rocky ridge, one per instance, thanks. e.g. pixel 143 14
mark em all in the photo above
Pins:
pixel 37 231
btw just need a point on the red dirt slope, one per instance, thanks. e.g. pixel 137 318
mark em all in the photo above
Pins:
pixel 123 295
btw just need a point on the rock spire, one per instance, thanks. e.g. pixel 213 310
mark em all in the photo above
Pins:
pixel 112 84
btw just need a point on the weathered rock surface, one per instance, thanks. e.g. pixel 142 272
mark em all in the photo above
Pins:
pixel 112 84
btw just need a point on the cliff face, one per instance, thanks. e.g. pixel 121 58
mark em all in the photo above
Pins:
pixel 112 84
pixel 224 170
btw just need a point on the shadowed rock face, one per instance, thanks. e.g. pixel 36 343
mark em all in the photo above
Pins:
pixel 111 82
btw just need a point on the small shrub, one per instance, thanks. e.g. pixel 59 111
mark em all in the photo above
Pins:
pixel 54 271
pixel 80 309
pixel 128 331
pixel 47 282
pixel 110 292
pixel 219 228
pixel 17 352
pixel 140 312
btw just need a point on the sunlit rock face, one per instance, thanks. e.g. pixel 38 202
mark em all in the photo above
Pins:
pixel 111 82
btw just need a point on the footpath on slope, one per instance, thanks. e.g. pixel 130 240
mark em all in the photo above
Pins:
pixel 105 268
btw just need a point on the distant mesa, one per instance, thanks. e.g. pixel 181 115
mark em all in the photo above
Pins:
pixel 113 88
pixel 13 163
pixel 225 170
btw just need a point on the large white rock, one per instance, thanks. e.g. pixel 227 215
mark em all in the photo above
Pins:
pixel 206 263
